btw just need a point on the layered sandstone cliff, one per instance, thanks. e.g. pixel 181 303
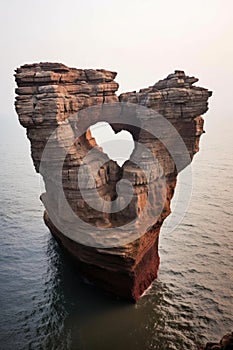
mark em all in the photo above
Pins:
pixel 115 240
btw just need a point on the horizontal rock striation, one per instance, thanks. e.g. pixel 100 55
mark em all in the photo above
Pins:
pixel 57 105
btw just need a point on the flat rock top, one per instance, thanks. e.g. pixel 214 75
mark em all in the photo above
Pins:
pixel 75 74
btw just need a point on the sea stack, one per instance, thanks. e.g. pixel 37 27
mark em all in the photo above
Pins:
pixel 114 242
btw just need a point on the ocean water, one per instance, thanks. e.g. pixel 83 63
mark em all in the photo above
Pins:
pixel 44 302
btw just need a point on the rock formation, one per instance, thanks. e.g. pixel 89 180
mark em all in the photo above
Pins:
pixel 226 343
pixel 53 102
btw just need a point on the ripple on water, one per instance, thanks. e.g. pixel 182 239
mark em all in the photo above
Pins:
pixel 46 305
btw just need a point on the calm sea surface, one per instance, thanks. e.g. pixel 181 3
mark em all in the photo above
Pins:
pixel 44 304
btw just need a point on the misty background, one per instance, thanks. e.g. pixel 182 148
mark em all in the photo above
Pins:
pixel 143 41
pixel 44 303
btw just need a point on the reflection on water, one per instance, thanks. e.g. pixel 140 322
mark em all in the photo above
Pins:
pixel 45 304
pixel 71 314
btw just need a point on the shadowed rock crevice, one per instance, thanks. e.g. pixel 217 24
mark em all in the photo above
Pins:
pixel 58 105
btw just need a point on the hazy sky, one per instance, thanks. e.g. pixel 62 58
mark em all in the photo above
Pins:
pixel 142 40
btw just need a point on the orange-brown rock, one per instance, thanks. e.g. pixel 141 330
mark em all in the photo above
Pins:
pixel 57 105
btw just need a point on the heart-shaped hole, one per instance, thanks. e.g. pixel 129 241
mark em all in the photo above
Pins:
pixel 118 146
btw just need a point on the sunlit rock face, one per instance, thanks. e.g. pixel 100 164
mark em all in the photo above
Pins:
pixel 58 106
